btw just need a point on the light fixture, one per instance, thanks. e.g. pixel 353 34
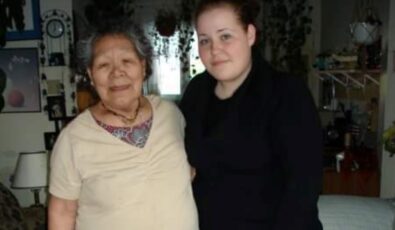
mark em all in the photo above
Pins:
pixel 31 172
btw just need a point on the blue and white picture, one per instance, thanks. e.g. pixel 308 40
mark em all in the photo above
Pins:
pixel 22 85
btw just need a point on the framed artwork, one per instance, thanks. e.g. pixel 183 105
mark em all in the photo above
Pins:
pixel 56 108
pixel 32 26
pixel 50 139
pixel 22 88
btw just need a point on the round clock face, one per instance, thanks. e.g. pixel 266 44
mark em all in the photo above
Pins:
pixel 55 28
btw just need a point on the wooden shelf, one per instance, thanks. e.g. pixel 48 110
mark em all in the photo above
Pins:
pixel 352 77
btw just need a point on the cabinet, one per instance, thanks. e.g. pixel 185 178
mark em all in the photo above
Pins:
pixel 361 178
pixel 361 182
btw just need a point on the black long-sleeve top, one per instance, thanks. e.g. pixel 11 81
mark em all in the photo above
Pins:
pixel 257 154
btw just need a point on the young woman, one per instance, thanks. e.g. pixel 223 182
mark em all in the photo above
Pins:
pixel 253 134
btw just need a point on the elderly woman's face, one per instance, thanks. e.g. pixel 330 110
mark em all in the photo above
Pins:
pixel 117 72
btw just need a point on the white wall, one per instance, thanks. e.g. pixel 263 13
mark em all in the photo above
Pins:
pixel 25 131
pixel 388 164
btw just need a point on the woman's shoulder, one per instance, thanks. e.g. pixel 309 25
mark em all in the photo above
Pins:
pixel 82 120
pixel 200 81
pixel 159 103
pixel 164 108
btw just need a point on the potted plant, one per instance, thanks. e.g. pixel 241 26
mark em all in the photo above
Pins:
pixel 389 139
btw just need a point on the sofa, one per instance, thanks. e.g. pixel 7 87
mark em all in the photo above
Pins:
pixel 14 217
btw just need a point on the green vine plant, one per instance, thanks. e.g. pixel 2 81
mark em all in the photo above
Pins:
pixel 11 14
pixel 286 24
pixel 107 10
pixel 186 32
pixel 101 9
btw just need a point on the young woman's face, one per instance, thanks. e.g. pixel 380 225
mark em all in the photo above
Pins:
pixel 224 44
pixel 117 72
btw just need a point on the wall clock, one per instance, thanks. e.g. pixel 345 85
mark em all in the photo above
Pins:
pixel 56 44
pixel 55 28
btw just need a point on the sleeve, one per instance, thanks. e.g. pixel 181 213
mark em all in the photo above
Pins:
pixel 186 98
pixel 298 140
pixel 64 179
pixel 179 117
pixel 193 91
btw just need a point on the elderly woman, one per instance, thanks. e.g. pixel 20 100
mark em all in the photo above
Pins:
pixel 121 164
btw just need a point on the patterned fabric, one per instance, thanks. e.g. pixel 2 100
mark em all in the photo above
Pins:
pixel 136 135
pixel 11 216
pixel 339 212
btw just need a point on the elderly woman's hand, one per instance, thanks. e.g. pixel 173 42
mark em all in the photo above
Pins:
pixel 193 173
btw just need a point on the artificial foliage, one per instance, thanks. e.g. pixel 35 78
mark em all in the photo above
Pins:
pixel 285 26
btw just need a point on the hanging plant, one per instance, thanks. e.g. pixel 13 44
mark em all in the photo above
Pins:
pixel 166 22
pixel 163 31
pixel 366 24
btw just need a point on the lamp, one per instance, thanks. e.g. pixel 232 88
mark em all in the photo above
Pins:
pixel 31 172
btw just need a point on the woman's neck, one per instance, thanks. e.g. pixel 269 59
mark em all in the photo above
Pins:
pixel 225 89
pixel 126 117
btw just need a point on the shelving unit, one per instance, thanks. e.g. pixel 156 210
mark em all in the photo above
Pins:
pixel 352 86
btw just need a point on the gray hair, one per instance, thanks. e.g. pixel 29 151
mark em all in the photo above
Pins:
pixel 124 28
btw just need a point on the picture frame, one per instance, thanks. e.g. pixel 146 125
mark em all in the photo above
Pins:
pixel 32 30
pixel 56 108
pixel 22 89
pixel 50 139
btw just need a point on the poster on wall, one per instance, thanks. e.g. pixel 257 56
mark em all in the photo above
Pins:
pixel 24 20
pixel 21 92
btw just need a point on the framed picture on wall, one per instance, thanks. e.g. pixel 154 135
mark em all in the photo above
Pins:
pixel 21 92
pixel 56 108
pixel 50 139
pixel 30 10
